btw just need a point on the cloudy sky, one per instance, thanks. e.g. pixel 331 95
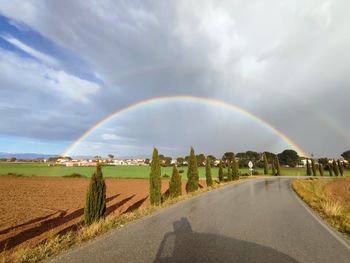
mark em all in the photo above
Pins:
pixel 66 65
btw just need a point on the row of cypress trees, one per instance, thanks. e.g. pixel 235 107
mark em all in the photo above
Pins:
pixel 175 184
pixel 95 207
pixel 275 165
pixel 232 171
pixel 336 168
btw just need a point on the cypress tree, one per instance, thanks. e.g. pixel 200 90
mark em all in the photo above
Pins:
pixel 221 173
pixel 313 167
pixel 95 207
pixel 155 181
pixel 330 169
pixel 192 173
pixel 278 167
pixel 273 170
pixel 320 168
pixel 308 170
pixel 175 184
pixel 235 169
pixel 341 168
pixel 335 168
pixel 208 177
pixel 266 168
pixel 229 172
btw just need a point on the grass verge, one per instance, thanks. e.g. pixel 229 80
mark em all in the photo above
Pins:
pixel 335 211
pixel 58 243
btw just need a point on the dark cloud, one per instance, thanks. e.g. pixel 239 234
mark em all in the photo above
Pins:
pixel 285 61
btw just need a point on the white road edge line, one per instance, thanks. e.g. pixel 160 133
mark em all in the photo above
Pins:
pixel 324 223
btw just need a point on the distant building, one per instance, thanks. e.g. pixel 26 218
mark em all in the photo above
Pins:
pixel 139 162
pixel 80 163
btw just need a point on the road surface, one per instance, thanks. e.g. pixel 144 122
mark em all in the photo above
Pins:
pixel 255 221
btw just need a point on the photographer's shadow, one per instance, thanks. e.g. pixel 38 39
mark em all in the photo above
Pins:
pixel 184 245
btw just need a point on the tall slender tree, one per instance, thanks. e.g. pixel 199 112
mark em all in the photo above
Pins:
pixel 335 168
pixel 320 168
pixel 95 207
pixel 273 169
pixel 235 168
pixel 208 177
pixel 330 169
pixel 308 169
pixel 266 165
pixel 278 166
pixel 313 167
pixel 175 184
pixel 229 172
pixel 221 172
pixel 192 172
pixel 341 168
pixel 155 181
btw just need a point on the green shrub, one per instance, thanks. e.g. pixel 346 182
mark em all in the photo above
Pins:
pixel 229 173
pixel 278 167
pixel 155 181
pixel 335 168
pixel 266 168
pixel 235 169
pixel 175 184
pixel 209 179
pixel 273 170
pixel 330 169
pixel 255 172
pixel 308 169
pixel 320 169
pixel 313 167
pixel 341 168
pixel 95 207
pixel 192 173
pixel 221 173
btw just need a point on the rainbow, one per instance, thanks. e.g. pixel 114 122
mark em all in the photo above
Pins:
pixel 195 99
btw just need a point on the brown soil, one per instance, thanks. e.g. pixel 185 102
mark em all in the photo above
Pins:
pixel 33 208
pixel 340 189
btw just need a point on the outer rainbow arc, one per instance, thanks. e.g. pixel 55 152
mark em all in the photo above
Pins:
pixel 210 101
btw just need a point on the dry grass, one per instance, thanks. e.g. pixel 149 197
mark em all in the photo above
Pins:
pixel 334 211
pixel 56 244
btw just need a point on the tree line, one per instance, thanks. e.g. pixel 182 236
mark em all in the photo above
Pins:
pixel 95 206
pixel 175 185
pixel 334 167
pixel 287 157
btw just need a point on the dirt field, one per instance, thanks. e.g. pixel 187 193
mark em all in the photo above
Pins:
pixel 32 208
pixel 340 189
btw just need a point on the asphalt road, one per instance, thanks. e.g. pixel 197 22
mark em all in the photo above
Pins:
pixel 255 221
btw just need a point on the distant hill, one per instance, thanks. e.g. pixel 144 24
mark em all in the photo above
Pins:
pixel 26 155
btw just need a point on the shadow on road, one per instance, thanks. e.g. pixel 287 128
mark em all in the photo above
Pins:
pixel 184 245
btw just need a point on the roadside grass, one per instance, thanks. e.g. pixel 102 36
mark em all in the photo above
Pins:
pixel 56 244
pixel 336 212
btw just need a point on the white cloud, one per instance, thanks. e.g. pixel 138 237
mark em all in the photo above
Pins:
pixel 110 137
pixel 71 86
pixel 31 51
pixel 36 77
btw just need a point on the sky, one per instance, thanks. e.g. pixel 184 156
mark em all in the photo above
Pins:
pixel 67 65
